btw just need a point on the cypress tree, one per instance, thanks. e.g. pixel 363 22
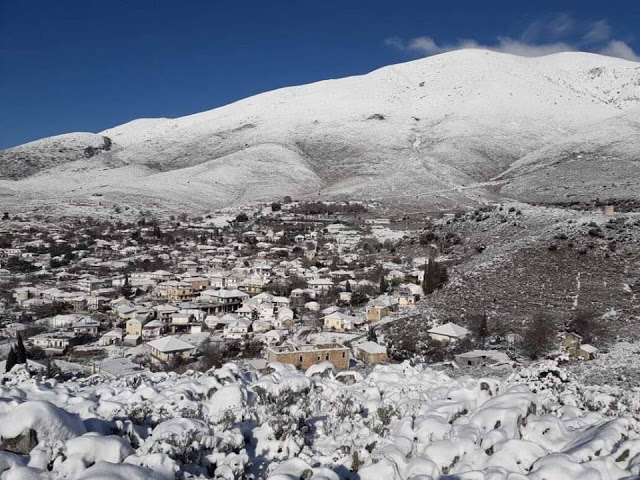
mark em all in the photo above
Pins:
pixel 483 329
pixel 371 335
pixel 435 276
pixel 429 281
pixel 126 289
pixel 383 284
pixel 11 360
pixel 21 351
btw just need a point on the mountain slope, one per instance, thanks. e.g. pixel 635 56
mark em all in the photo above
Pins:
pixel 417 130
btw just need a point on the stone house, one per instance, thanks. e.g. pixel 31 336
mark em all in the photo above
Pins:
pixel 304 356
pixel 587 352
pixel 380 307
pixel 371 352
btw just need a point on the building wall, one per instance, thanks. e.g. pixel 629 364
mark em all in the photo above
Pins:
pixel 134 328
pixel 303 360
pixel 376 314
pixel 371 357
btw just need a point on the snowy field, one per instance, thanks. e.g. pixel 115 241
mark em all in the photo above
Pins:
pixel 398 422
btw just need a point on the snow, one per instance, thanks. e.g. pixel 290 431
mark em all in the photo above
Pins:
pixel 404 421
pixel 409 130
pixel 170 344
pixel 48 421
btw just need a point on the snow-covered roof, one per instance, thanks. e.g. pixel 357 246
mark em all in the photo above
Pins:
pixel 450 330
pixel 585 347
pixel 170 344
pixel 371 347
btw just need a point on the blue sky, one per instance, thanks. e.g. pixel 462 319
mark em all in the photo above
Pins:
pixel 86 65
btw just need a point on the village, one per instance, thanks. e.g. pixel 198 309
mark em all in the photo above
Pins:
pixel 295 283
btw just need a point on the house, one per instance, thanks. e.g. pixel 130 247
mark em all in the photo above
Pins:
pixel 197 283
pixel 476 358
pixel 111 337
pixel 304 356
pixel 284 318
pixel 161 275
pixel 409 294
pixel 449 332
pixel 153 329
pixel 132 340
pixel 125 312
pixel 340 321
pixel 134 327
pixel 274 337
pixel 164 312
pixel 237 329
pixel 380 307
pixel 175 291
pixel 345 297
pixel 89 283
pixel 25 331
pixel 54 343
pixel 231 300
pixel 245 311
pixel 570 342
pixel 185 322
pixel 166 349
pixel 320 285
pixel 261 326
pixel 587 352
pixel 371 352
pixel 86 326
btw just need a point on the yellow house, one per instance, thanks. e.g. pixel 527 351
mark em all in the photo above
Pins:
pixel 340 321
pixel 176 291
pixel 134 327
pixel 380 307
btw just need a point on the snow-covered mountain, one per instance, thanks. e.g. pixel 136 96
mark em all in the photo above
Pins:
pixel 555 126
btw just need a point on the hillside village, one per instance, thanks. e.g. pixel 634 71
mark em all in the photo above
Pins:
pixel 289 282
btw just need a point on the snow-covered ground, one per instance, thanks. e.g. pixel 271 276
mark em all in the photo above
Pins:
pixel 424 130
pixel 398 422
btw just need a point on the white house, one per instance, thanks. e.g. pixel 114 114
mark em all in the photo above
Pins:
pixel 167 348
pixel 237 329
pixel 449 332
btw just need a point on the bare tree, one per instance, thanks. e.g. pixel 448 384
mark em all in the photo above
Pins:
pixel 540 336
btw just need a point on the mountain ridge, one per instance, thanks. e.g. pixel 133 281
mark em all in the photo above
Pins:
pixel 442 122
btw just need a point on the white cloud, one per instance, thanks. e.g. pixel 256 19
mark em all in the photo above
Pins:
pixel 616 48
pixel 599 31
pixel 395 42
pixel 427 46
pixel 538 39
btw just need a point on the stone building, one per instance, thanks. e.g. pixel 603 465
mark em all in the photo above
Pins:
pixel 303 356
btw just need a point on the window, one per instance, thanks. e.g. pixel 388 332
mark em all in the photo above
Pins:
pixel 343 354
pixel 301 358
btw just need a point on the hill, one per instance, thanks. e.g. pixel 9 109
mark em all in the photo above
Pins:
pixel 423 131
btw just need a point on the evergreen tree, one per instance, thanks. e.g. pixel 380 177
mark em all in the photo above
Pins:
pixel 428 282
pixel 126 289
pixel 347 287
pixel 478 325
pixel 383 284
pixel 371 335
pixel 12 360
pixel 435 276
pixel 21 351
